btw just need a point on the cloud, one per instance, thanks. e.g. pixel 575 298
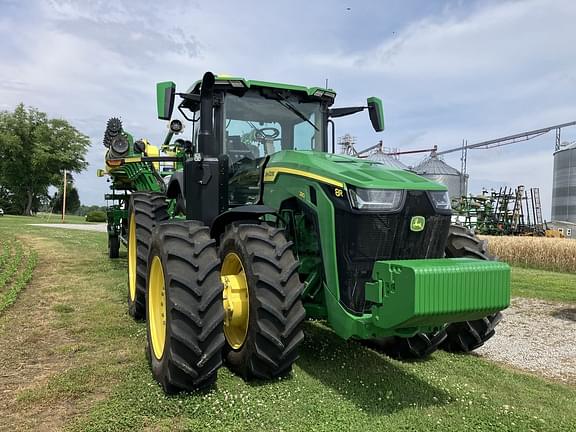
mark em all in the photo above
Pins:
pixel 127 28
pixel 446 71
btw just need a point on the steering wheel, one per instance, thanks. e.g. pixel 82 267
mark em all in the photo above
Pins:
pixel 267 133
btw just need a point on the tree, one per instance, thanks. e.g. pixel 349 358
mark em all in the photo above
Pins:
pixel 34 152
pixel 5 199
pixel 72 200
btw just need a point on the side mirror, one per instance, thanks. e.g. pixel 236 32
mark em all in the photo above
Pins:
pixel 376 113
pixel 165 94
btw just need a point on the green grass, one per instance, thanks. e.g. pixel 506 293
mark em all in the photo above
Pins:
pixel 336 384
pixel 340 385
pixel 543 284
pixel 63 308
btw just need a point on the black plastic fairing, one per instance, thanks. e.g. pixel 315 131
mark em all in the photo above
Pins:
pixel 363 237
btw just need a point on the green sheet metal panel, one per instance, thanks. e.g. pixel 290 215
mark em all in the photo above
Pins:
pixel 434 291
pixel 347 171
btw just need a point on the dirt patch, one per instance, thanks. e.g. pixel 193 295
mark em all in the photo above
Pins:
pixel 536 336
pixel 568 314
pixel 29 336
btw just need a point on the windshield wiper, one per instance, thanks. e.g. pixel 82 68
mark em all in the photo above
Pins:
pixel 282 101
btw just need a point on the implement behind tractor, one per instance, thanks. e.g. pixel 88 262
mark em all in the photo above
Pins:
pixel 133 166
pixel 258 226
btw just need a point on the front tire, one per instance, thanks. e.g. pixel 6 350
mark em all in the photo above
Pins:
pixel 419 346
pixel 184 307
pixel 263 341
pixel 464 337
pixel 145 211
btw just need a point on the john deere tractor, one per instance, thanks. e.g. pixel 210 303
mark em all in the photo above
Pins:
pixel 275 229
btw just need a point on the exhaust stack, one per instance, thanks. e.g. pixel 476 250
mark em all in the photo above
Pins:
pixel 206 142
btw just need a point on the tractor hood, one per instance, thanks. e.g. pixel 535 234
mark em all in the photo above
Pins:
pixel 346 170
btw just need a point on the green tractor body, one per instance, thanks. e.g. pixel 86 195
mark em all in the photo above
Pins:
pixel 299 232
pixel 359 265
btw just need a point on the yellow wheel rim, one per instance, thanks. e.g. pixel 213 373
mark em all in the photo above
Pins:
pixel 157 307
pixel 235 298
pixel 132 259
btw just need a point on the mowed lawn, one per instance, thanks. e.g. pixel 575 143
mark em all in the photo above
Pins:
pixel 71 358
pixel 543 284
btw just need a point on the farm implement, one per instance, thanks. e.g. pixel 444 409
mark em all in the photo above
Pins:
pixel 259 226
pixel 132 166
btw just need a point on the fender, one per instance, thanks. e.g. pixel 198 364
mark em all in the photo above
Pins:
pixel 175 190
pixel 176 185
pixel 241 213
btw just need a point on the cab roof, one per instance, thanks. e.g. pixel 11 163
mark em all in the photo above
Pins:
pixel 235 82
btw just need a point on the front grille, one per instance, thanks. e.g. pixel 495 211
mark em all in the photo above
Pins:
pixel 362 238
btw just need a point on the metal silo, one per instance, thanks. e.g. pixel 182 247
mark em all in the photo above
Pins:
pixel 387 160
pixel 564 184
pixel 439 171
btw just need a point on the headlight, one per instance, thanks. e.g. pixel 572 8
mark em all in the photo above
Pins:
pixel 176 126
pixel 440 200
pixel 376 199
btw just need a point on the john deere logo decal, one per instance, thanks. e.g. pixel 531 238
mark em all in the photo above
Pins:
pixel 417 223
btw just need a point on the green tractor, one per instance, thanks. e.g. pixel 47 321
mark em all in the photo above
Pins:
pixel 275 229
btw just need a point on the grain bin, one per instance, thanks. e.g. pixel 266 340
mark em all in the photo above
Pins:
pixel 564 184
pixel 387 160
pixel 437 170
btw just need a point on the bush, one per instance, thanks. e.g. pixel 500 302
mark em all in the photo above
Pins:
pixel 96 216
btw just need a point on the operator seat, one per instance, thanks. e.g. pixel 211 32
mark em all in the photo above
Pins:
pixel 237 150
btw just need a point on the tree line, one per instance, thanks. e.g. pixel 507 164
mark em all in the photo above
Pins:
pixel 34 152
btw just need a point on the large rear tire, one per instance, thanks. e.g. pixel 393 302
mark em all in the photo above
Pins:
pixel 466 336
pixel 184 307
pixel 145 211
pixel 263 307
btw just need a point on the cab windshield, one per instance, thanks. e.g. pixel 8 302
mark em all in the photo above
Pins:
pixel 257 126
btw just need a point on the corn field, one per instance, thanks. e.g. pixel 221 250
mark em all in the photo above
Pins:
pixel 552 254
pixel 16 265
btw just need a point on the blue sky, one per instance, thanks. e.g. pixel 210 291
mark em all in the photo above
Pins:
pixel 446 70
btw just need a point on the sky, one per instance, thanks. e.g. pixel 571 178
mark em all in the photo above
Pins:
pixel 445 70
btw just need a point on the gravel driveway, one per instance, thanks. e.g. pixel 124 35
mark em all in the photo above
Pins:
pixel 82 227
pixel 536 336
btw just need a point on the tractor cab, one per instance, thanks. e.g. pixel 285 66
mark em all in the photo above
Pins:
pixel 252 120
pixel 262 121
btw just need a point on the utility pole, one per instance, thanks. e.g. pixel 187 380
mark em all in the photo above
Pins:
pixel 64 199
